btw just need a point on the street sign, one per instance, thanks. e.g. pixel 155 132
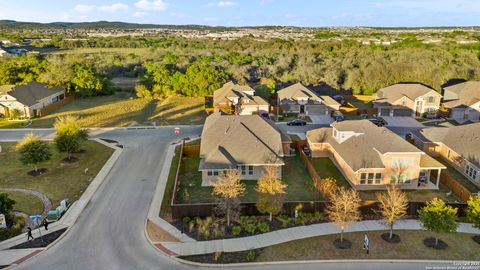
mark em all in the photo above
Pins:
pixel 177 131
pixel 36 219
pixel 3 222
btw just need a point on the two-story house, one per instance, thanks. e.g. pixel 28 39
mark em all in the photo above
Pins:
pixel 458 145
pixel 28 99
pixel 407 99
pixel 244 142
pixel 463 101
pixel 299 99
pixel 232 98
pixel 372 157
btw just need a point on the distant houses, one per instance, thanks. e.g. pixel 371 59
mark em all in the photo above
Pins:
pixel 237 99
pixel 463 101
pixel 28 100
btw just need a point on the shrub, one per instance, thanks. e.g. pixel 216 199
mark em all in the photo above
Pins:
pixel 191 226
pixel 217 255
pixel 236 230
pixel 218 231
pixel 186 220
pixel 285 220
pixel 250 255
pixel 263 227
pixel 250 228
pixel 317 216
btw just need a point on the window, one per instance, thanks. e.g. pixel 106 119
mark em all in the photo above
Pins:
pixel 250 170
pixel 378 178
pixel 363 178
pixel 471 172
pixel 209 173
pixel 370 178
pixel 431 99
pixel 212 173
pixel 242 169
pixel 215 173
pixel 402 162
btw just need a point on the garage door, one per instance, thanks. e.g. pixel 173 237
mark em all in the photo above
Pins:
pixel 317 110
pixel 402 112
pixel 458 114
pixel 473 115
pixel 385 112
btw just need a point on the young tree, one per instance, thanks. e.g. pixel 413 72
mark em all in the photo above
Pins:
pixel 343 208
pixel 33 150
pixel 69 136
pixel 438 218
pixel 6 205
pixel 393 206
pixel 473 210
pixel 271 191
pixel 228 188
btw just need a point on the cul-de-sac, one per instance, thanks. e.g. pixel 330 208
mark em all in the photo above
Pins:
pixel 178 134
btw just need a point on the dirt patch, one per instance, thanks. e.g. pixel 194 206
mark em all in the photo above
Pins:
pixel 430 242
pixel 394 240
pixel 226 257
pixel 346 244
pixel 70 160
pixel 156 234
pixel 476 238
pixel 38 243
pixel 37 172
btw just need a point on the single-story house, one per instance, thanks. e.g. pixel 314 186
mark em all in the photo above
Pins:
pixel 458 145
pixel 244 142
pixel 463 101
pixel 28 99
pixel 372 157
pixel 299 99
pixel 238 99
pixel 407 99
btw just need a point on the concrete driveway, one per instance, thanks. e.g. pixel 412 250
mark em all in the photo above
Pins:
pixel 398 121
pixel 321 119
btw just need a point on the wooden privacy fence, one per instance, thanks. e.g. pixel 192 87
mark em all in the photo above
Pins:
pixel 462 192
pixel 368 209
pixel 56 105
pixel 191 149
pixel 311 170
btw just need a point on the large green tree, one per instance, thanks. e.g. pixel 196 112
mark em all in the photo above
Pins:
pixel 6 205
pixel 87 82
pixel 69 136
pixel 32 150
pixel 438 218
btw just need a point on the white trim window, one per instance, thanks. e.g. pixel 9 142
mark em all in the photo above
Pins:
pixel 212 172
pixel 370 178
pixel 471 172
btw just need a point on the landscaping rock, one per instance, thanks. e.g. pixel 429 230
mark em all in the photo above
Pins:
pixel 346 244
pixel 37 172
pixel 430 242
pixel 394 240
pixel 38 243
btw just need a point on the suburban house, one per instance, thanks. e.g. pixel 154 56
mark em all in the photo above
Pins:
pixel 28 99
pixel 244 142
pixel 458 145
pixel 372 157
pixel 299 99
pixel 238 99
pixel 407 99
pixel 463 101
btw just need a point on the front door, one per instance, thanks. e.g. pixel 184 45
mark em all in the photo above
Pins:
pixel 418 110
pixel 302 108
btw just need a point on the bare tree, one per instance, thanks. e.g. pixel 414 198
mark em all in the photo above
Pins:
pixel 228 188
pixel 271 190
pixel 343 208
pixel 393 206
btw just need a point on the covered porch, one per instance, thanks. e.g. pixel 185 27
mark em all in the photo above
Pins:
pixel 430 170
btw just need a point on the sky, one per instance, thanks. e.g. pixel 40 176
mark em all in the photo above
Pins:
pixel 310 13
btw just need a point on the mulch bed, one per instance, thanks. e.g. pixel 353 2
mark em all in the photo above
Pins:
pixel 38 243
pixel 476 238
pixel 37 172
pixel 346 244
pixel 430 242
pixel 225 258
pixel 70 160
pixel 394 240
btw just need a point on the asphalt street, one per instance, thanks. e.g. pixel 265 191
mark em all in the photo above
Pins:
pixel 109 234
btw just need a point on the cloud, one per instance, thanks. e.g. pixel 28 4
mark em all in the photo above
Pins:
pixel 83 8
pixel 222 4
pixel 140 14
pixel 152 5
pixel 114 7
pixel 265 2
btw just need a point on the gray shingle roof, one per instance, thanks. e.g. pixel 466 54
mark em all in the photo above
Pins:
pixel 392 93
pixel 230 89
pixel 464 139
pixel 468 94
pixel 230 140
pixel 298 90
pixel 362 151
pixel 29 94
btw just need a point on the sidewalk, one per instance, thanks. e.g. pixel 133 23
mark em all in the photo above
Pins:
pixel 295 233
pixel 8 257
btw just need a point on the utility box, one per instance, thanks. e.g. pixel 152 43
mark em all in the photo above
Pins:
pixel 3 221
pixel 53 215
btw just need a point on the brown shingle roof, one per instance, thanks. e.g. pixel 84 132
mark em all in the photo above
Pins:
pixel 230 90
pixel 392 93
pixel 468 94
pixel 30 93
pixel 298 90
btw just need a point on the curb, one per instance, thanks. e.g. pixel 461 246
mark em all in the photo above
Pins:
pixel 104 128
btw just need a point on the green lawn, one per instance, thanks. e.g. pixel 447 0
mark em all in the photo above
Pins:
pixel 165 210
pixel 299 183
pixel 62 180
pixel 459 177
pixel 326 168
pixel 461 247
pixel 121 109
pixel 361 104
pixel 25 203
pixel 11 124
pixel 292 116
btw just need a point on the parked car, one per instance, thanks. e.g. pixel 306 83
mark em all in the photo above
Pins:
pixel 338 116
pixel 378 122
pixel 265 115
pixel 297 122
pixel 408 136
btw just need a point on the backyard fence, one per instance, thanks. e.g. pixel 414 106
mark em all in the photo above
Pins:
pixel 191 149
pixel 311 170
pixel 462 192
pixel 56 105
pixel 177 183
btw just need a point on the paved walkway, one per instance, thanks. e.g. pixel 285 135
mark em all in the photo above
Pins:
pixel 47 204
pixel 295 233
